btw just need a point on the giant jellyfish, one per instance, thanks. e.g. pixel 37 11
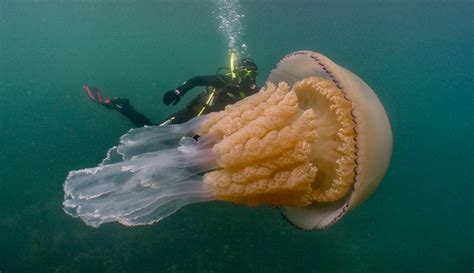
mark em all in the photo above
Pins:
pixel 315 142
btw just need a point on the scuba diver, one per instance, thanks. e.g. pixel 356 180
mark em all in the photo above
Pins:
pixel 221 89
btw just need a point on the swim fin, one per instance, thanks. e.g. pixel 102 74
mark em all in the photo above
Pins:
pixel 115 103
pixel 95 95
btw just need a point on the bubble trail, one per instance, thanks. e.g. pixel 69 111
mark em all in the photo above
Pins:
pixel 230 23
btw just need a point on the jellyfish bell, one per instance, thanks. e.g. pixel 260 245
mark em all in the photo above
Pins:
pixel 314 141
pixel 372 134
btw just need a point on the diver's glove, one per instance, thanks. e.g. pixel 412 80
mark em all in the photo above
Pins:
pixel 118 104
pixel 172 96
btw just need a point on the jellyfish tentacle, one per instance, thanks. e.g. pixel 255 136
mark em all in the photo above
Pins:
pixel 142 187
pixel 151 138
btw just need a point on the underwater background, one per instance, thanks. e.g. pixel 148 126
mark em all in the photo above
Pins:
pixel 417 55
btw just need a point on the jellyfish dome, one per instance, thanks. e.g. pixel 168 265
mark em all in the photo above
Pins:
pixel 315 141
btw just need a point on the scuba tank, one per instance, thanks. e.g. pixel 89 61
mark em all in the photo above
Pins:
pixel 209 97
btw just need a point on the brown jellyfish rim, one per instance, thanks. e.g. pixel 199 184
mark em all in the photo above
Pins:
pixel 339 85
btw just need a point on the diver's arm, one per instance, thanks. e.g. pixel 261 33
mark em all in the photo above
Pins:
pixel 173 96
pixel 211 80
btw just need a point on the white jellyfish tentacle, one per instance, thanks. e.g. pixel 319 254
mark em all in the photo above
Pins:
pixel 149 139
pixel 150 175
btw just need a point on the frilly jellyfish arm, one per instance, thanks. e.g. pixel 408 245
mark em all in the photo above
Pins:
pixel 150 175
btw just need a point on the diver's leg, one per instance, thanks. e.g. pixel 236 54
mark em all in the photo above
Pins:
pixel 125 108
pixel 121 105
pixel 138 119
pixel 179 117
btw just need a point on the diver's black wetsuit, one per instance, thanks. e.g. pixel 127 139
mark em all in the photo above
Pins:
pixel 221 91
pixel 138 119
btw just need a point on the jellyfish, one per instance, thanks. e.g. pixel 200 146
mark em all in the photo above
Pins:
pixel 314 142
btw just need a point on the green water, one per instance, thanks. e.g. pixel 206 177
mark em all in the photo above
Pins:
pixel 417 55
